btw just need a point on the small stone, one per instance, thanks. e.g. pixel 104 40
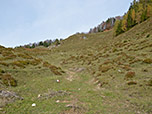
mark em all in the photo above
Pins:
pixel 57 101
pixel 57 81
pixel 69 105
pixel 119 71
pixel 33 105
pixel 39 95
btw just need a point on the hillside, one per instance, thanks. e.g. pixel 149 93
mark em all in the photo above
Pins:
pixel 87 74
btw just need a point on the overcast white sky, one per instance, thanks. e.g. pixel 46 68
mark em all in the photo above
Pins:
pixel 28 21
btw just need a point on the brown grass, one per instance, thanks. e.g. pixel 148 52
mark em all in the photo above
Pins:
pixel 104 68
pixel 54 69
pixel 148 60
pixel 130 75
pixel 8 80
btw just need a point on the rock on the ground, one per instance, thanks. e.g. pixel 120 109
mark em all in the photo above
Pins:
pixel 7 97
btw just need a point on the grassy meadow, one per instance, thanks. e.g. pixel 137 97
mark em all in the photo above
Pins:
pixel 101 74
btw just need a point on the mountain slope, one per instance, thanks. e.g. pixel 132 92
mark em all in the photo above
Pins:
pixel 97 73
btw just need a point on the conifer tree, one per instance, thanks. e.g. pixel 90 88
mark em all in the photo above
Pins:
pixel 124 22
pixel 143 16
pixel 129 19
pixel 115 27
pixel 138 12
pixel 119 28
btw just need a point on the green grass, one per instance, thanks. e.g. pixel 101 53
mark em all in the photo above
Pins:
pixel 101 88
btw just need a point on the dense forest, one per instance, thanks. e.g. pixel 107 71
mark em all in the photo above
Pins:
pixel 138 12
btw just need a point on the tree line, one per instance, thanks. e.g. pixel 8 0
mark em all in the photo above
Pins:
pixel 138 12
pixel 45 43
pixel 105 25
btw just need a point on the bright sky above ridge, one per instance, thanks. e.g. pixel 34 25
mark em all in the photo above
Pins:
pixel 28 21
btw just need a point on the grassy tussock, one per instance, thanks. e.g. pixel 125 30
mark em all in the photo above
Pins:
pixel 150 82
pixel 8 80
pixel 24 63
pixel 25 56
pixel 104 68
pixel 54 69
pixel 4 64
pixel 148 60
pixel 130 75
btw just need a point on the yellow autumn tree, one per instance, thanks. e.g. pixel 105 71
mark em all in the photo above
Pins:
pixel 139 13
pixel 149 10
pixel 124 22
pixel 133 14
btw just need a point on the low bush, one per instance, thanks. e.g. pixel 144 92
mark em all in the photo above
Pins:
pixel 54 69
pixel 46 64
pixel 8 80
pixel 35 62
pixel 130 75
pixel 19 64
pixel 104 68
pixel 25 56
pixel 148 61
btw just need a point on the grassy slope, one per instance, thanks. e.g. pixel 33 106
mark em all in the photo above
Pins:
pixel 95 75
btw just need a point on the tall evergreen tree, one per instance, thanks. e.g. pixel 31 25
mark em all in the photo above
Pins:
pixel 129 19
pixel 116 27
pixel 119 28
